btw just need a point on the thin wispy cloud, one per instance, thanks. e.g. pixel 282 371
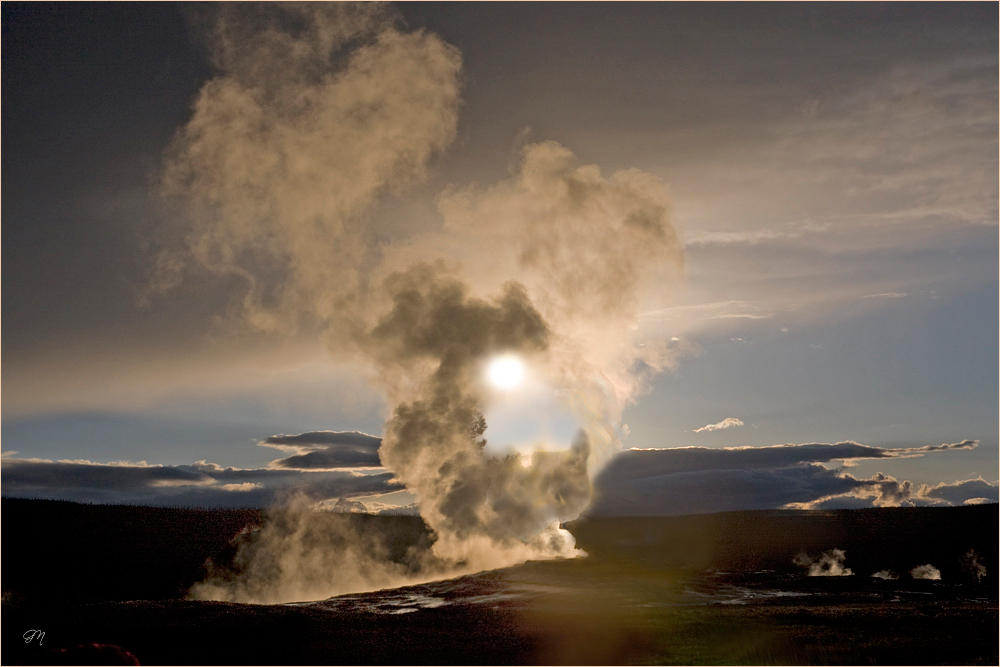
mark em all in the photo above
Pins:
pixel 743 316
pixel 752 236
pixel 728 422
pixel 886 295
pixel 951 104
pixel 717 310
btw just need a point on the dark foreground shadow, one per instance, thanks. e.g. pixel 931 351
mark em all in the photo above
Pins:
pixel 582 611
pixel 710 590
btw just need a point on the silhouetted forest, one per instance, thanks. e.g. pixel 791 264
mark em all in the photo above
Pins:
pixel 58 550
pixel 887 538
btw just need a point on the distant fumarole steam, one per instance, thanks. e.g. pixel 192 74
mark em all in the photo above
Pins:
pixel 926 572
pixel 830 564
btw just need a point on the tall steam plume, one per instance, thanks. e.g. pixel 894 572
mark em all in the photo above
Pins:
pixel 318 111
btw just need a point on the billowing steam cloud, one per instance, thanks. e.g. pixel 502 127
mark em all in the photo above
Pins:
pixel 830 564
pixel 584 245
pixel 286 150
pixel 322 108
pixel 581 245
pixel 301 553
pixel 926 572
pixel 429 349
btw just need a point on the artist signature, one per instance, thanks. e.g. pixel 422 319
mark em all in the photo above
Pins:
pixel 34 634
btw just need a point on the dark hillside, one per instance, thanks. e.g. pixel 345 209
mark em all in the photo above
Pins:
pixel 90 574
pixel 55 550
pixel 62 551
pixel 890 538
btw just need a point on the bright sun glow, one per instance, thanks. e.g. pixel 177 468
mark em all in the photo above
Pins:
pixel 505 372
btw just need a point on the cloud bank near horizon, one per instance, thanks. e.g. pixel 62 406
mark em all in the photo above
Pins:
pixel 200 484
pixel 696 480
pixel 637 482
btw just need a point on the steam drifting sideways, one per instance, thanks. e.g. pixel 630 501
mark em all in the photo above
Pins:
pixel 319 110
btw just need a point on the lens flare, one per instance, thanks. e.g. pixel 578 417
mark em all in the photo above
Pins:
pixel 506 372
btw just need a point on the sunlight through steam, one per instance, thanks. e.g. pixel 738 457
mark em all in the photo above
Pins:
pixel 505 372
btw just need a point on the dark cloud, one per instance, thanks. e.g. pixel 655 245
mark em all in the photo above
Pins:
pixel 960 492
pixel 881 490
pixel 320 439
pixel 200 484
pixel 965 444
pixel 843 503
pixel 317 450
pixel 637 463
pixel 18 474
pixel 890 490
pixel 714 490
pixel 694 480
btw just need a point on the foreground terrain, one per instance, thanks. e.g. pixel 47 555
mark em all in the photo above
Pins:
pixel 715 589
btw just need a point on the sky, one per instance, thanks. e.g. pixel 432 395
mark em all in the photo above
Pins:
pixel 766 226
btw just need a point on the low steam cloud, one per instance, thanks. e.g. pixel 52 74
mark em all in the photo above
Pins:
pixel 973 566
pixel 301 553
pixel 926 572
pixel 318 111
pixel 830 564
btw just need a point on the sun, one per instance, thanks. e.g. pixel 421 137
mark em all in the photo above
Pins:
pixel 506 372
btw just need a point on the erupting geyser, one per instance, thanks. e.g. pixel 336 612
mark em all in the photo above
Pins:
pixel 317 112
